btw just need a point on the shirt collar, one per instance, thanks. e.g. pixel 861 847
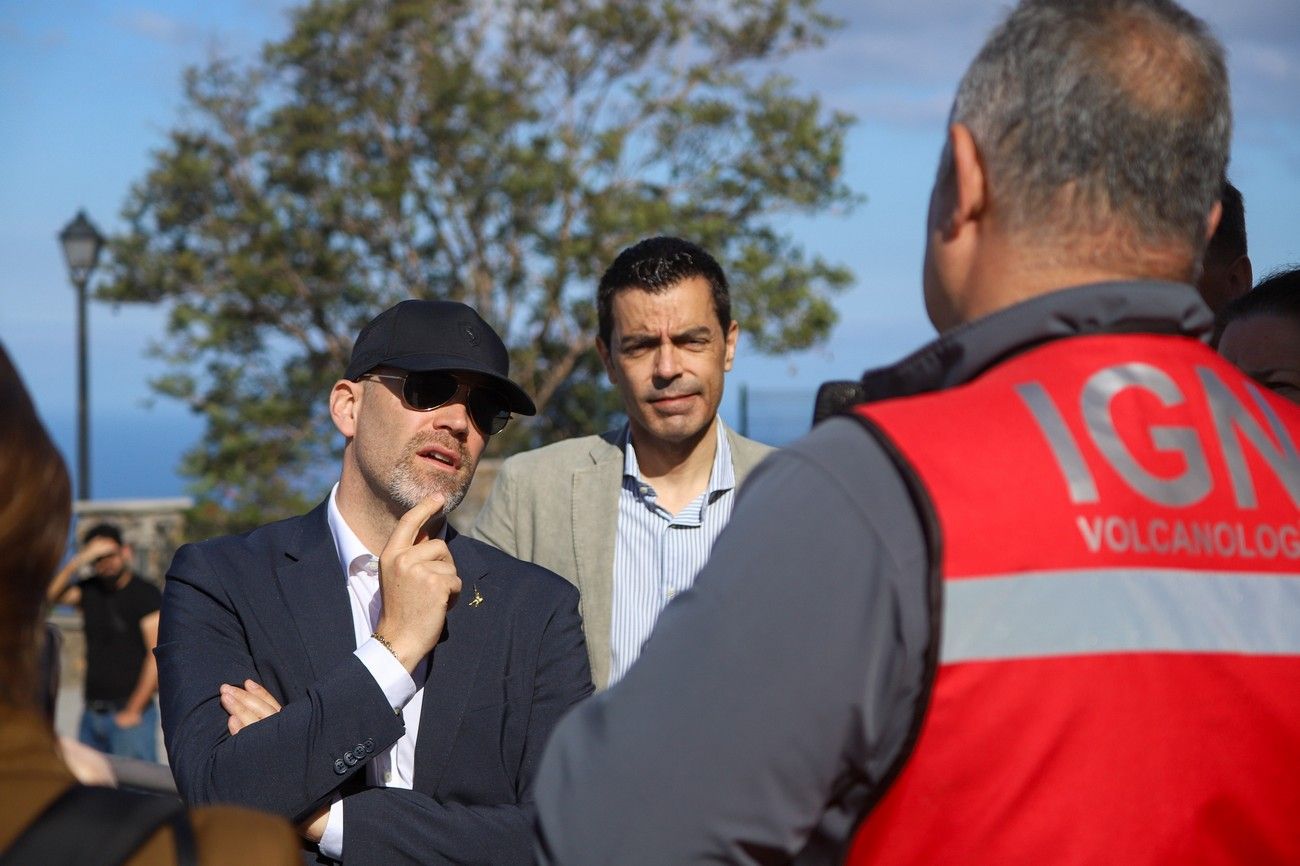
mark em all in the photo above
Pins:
pixel 353 555
pixel 722 476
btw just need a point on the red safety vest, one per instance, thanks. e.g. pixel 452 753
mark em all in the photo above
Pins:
pixel 1116 523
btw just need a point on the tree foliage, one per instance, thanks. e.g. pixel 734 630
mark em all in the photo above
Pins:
pixel 497 152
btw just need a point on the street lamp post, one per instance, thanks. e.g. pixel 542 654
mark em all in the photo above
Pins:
pixel 81 243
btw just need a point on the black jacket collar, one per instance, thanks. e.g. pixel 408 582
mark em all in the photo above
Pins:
pixel 1098 308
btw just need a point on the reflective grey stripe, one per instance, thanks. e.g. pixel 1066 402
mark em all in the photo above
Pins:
pixel 1073 612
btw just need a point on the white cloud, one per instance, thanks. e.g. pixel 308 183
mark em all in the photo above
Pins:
pixel 157 27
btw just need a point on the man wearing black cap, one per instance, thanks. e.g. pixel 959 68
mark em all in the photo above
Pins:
pixel 363 669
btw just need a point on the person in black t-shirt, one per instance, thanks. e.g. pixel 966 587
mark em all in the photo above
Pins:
pixel 121 620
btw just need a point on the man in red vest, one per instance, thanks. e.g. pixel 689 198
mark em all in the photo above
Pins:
pixel 1036 600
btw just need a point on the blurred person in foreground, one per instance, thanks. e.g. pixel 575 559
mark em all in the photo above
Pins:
pixel 36 773
pixel 1038 599
pixel 1225 268
pixel 1260 333
pixel 363 669
pixel 120 615
pixel 629 516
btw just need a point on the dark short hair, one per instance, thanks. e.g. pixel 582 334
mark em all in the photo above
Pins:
pixel 655 265
pixel 1097 116
pixel 1229 240
pixel 1278 294
pixel 102 530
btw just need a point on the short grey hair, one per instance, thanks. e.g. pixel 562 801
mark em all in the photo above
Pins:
pixel 1097 116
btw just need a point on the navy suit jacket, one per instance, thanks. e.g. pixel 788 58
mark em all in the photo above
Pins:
pixel 272 605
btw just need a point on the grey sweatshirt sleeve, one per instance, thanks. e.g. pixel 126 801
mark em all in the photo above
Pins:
pixel 771 698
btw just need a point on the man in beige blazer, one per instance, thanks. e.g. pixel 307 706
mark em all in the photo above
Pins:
pixel 629 516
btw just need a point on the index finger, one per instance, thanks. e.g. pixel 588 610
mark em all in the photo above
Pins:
pixel 407 531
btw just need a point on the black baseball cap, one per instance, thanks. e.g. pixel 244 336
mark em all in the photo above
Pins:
pixel 416 336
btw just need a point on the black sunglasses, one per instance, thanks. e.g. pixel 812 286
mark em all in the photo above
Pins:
pixel 430 389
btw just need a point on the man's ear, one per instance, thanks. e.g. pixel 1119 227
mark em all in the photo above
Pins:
pixel 733 333
pixel 968 183
pixel 1240 275
pixel 345 406
pixel 937 215
pixel 603 351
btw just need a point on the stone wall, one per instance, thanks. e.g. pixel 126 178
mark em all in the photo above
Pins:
pixel 152 527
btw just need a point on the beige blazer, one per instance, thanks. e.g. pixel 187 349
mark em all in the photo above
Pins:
pixel 557 506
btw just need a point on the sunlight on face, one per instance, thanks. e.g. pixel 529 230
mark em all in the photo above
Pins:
pixel 410 454
pixel 667 356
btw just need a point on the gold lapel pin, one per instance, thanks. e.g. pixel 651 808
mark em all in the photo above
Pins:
pixel 477 599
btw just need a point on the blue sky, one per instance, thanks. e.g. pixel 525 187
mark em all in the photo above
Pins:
pixel 88 89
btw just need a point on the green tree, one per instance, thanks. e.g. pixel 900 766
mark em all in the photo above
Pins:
pixel 497 152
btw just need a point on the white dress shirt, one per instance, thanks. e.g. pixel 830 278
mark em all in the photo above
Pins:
pixel 395 767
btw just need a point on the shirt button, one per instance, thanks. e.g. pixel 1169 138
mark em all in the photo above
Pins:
pixel 670 593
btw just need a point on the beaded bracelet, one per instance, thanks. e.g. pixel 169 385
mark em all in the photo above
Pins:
pixel 383 641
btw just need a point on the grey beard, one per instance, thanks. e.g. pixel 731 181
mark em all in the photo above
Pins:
pixel 408 491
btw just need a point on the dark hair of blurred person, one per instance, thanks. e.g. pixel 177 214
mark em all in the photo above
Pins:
pixel 34 514
pixel 1260 333
pixel 102 530
pixel 1225 267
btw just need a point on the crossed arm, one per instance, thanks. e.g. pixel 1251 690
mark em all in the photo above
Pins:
pixel 489 834
pixel 252 703
pixel 284 765
pixel 430 831
pixel 231 740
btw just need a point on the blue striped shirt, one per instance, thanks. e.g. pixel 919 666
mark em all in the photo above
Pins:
pixel 657 554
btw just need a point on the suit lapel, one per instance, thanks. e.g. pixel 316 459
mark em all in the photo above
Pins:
pixel 595 523
pixel 453 667
pixel 745 454
pixel 315 591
